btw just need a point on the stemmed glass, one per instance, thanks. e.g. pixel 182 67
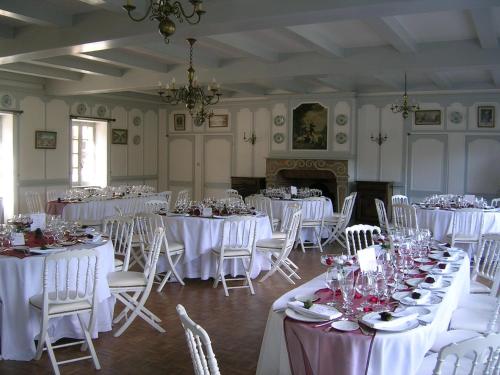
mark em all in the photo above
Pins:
pixel 364 286
pixel 348 290
pixel 380 289
pixel 332 282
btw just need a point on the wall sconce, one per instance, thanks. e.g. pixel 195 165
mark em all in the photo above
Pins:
pixel 379 139
pixel 252 139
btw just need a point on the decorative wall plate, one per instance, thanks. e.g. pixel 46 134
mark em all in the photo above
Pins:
pixel 81 109
pixel 341 138
pixel 279 120
pixel 136 140
pixel 279 138
pixel 101 111
pixel 456 117
pixel 341 120
pixel 6 101
pixel 136 121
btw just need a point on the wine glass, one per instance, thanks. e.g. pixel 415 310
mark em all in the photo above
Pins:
pixel 346 280
pixel 364 286
pixel 332 282
pixel 380 289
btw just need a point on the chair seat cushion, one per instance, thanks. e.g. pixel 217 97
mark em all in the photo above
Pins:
pixel 136 240
pixel 270 243
pixel 477 287
pixel 470 319
pixel 228 253
pixel 449 337
pixel 429 363
pixel 175 246
pixel 311 223
pixel 126 279
pixel 478 302
pixel 463 237
pixel 276 221
pixel 279 235
pixel 57 308
pixel 118 262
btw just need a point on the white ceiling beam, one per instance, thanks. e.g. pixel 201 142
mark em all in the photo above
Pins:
pixel 389 80
pixel 391 30
pixel 80 65
pixel 127 59
pixel 485 27
pixel 35 12
pixel 292 85
pixel 246 88
pixel 495 75
pixel 314 37
pixel 440 80
pixel 249 46
pixel 337 83
pixel 41 71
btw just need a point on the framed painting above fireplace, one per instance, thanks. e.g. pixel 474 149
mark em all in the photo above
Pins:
pixel 310 127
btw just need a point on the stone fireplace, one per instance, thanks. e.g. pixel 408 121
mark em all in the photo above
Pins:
pixel 328 175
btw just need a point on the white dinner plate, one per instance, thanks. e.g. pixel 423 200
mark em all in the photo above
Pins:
pixel 414 281
pixel 406 326
pixel 422 260
pixel 295 315
pixel 345 325
pixel 67 243
pixel 306 297
pixel 414 272
pixel 420 310
pixel 433 299
pixel 442 285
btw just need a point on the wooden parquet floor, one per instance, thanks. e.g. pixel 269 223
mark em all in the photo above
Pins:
pixel 235 324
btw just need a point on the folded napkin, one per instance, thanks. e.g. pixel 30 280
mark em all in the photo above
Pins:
pixel 316 311
pixel 374 320
pixel 425 295
pixel 446 269
pixel 436 284
pixel 96 238
pixel 452 258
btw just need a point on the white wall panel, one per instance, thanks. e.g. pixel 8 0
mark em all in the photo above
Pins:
pixel 181 159
pixel 31 164
pixel 135 154
pixel 150 141
pixel 244 121
pixel 391 151
pixel 450 114
pixel 483 174
pixel 118 153
pixel 57 161
pixel 368 124
pixel 217 159
pixel 342 108
pixel 262 127
pixel 280 109
pixel 427 164
pixel 456 164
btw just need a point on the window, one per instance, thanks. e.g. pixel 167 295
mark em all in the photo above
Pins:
pixel 88 153
pixel 7 163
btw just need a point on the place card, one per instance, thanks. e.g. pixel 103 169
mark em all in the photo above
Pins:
pixel 293 190
pixel 17 239
pixel 367 259
pixel 39 221
pixel 207 212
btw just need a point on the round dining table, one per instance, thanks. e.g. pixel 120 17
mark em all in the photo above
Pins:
pixel 199 236
pixel 20 279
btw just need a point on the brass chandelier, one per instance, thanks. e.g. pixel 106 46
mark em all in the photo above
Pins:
pixel 195 98
pixel 403 106
pixel 162 10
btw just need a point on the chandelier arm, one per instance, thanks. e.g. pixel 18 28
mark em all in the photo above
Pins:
pixel 179 8
pixel 131 8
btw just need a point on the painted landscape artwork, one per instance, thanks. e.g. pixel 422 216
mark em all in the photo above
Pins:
pixel 310 127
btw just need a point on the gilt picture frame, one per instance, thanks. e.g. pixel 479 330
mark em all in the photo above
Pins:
pixel 310 127
pixel 45 140
pixel 485 116
pixel 119 136
pixel 179 122
pixel 428 117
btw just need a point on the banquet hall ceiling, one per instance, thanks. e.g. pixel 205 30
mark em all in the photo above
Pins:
pixel 257 47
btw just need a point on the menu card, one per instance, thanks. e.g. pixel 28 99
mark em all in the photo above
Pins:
pixel 39 221
pixel 17 239
pixel 367 259
pixel 293 190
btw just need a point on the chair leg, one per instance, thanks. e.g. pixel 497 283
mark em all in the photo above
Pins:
pixel 224 285
pixel 125 310
pixel 247 275
pixel 217 275
pixel 302 244
pixel 89 344
pixel 52 356
pixel 41 339
pixel 318 238
pixel 173 272
pixel 136 311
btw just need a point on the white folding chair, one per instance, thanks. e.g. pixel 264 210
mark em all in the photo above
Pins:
pixel 199 344
pixel 53 195
pixel 475 319
pixel 231 193
pixel 237 243
pixel 360 237
pixel 340 221
pixel 69 284
pixel 182 196
pixel 399 199
pixel 404 216
pixel 466 226
pixel 286 220
pixel 313 217
pixel 120 230
pixel 478 355
pixel 487 264
pixel 495 202
pixel 264 204
pixel 383 221
pixel 133 289
pixel 34 202
pixel 280 250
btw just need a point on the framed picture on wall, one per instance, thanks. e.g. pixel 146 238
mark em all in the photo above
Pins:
pixel 486 116
pixel 180 121
pixel 45 139
pixel 310 127
pixel 428 117
pixel 119 136
pixel 218 121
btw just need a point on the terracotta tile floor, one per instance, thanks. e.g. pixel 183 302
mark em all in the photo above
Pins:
pixel 236 325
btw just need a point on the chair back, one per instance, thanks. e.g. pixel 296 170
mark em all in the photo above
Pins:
pixel 70 276
pixel 182 196
pixel 314 209
pixel 34 202
pixel 199 344
pixel 53 195
pixel 382 216
pixel 250 200
pixel 264 205
pixel 483 350
pixel 239 233
pixel 120 230
pixel 288 213
pixel 404 216
pixel 166 196
pixel 291 232
pixel 156 205
pixel 351 200
pixel 400 199
pixel 153 255
pixel 487 262
pixel 360 237
pixel 467 222
pixel 231 193
pixel 145 225
pixel 495 202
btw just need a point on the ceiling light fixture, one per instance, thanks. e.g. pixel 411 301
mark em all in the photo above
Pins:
pixel 403 106
pixel 162 10
pixel 192 95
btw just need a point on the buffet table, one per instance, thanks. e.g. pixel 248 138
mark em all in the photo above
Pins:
pixel 314 351
pixel 21 279
pixel 200 235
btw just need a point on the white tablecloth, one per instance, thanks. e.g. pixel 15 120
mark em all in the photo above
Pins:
pixel 392 353
pixel 98 210
pixel 200 236
pixel 1 210
pixel 21 279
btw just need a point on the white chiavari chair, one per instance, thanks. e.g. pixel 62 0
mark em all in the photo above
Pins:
pixel 404 216
pixel 280 250
pixel 133 289
pixel 237 243
pixel 475 356
pixel 466 226
pixel 487 264
pixel 54 195
pixel 200 346
pixel 34 202
pixel 313 217
pixel 231 193
pixel 69 285
pixel 120 230
pixel 383 221
pixel 495 202
pixel 250 200
pixel 182 196
pixel 286 219
pixel 340 221
pixel 360 237
pixel 156 206
pixel 399 199
pixel 264 204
